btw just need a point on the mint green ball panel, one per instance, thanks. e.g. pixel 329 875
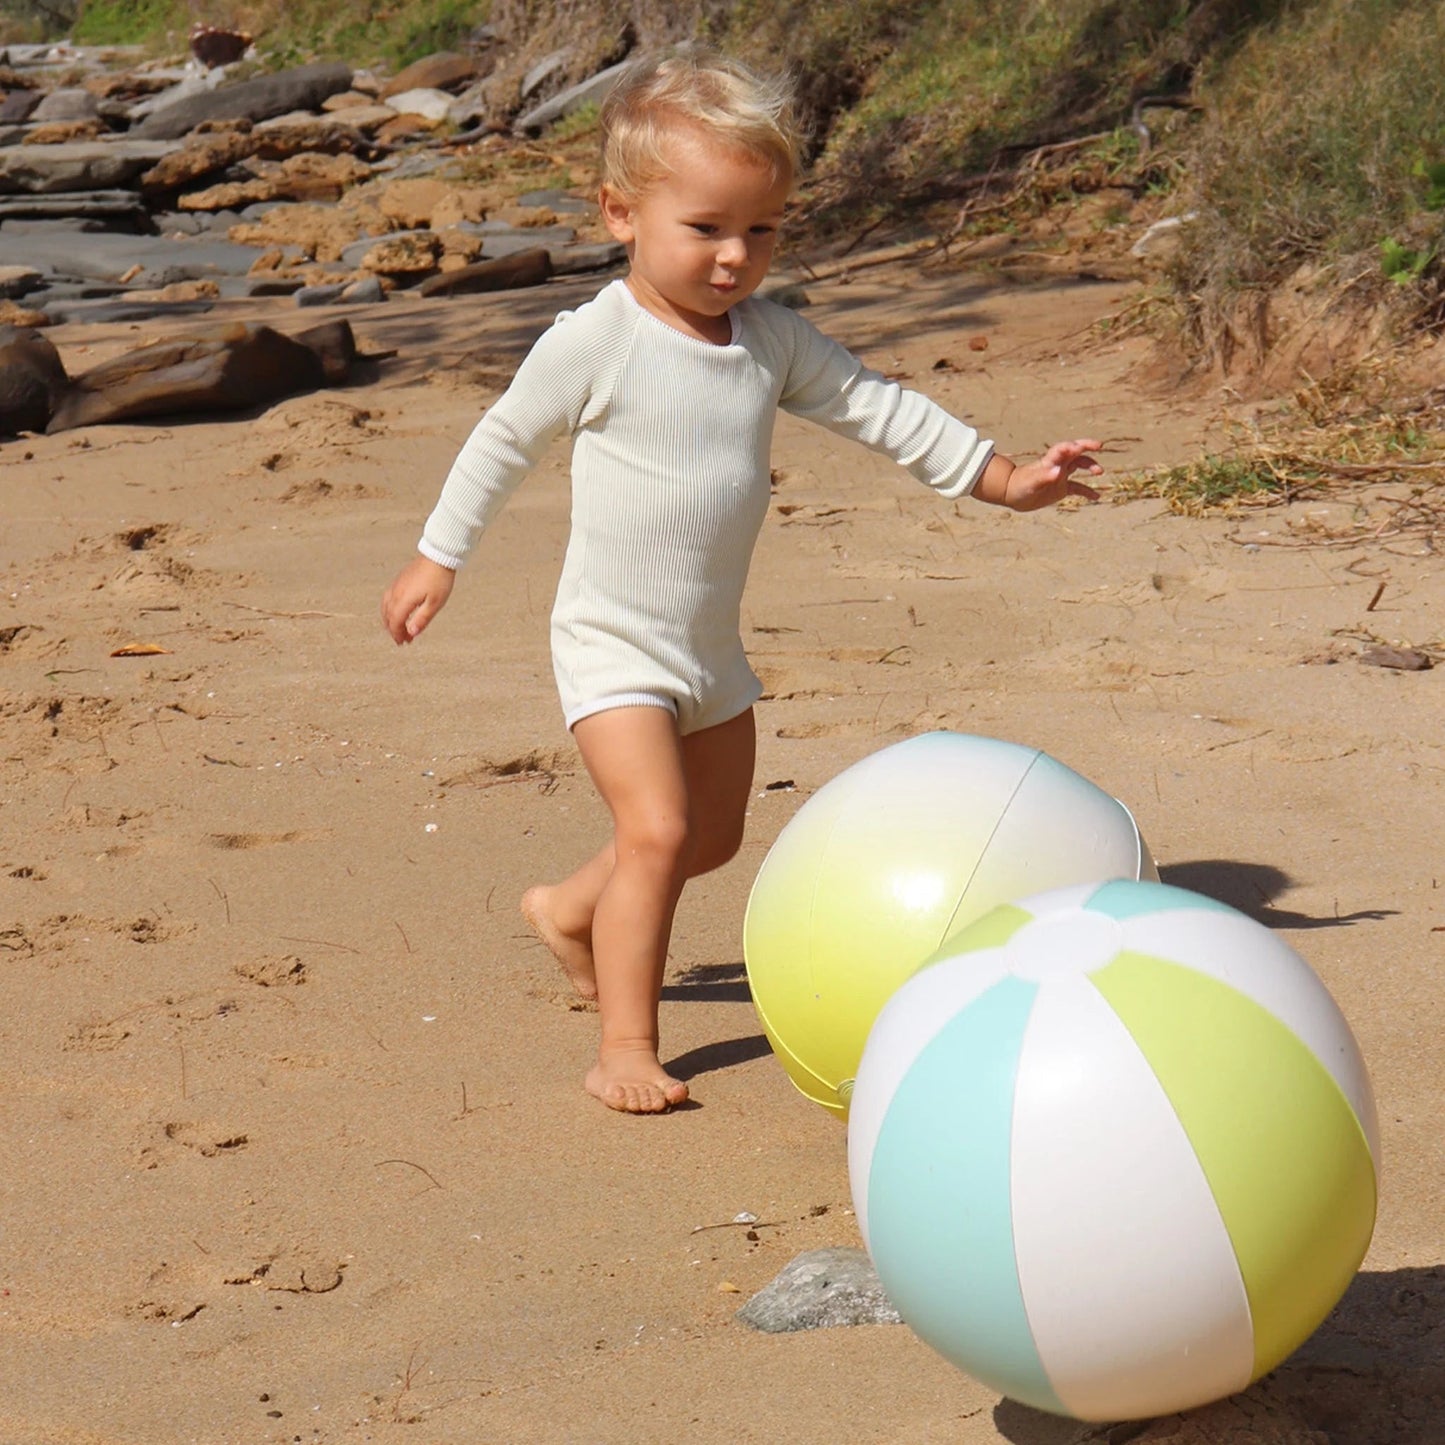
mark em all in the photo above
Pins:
pixel 1123 898
pixel 1286 1159
pixel 940 1171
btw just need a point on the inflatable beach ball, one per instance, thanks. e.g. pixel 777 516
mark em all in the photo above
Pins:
pixel 1113 1151
pixel 893 856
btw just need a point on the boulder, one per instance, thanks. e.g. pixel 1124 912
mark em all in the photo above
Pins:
pixel 446 70
pixel 237 368
pixel 83 166
pixel 306 88
pixel 32 379
pixel 508 273
pixel 408 254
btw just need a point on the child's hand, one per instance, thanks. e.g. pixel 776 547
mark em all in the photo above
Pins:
pixel 420 591
pixel 1044 482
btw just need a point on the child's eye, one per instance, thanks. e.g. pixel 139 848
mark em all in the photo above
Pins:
pixel 763 230
pixel 702 228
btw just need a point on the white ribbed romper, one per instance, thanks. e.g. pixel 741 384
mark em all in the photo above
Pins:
pixel 670 485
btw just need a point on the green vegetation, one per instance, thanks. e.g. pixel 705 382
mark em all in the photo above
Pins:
pixel 294 31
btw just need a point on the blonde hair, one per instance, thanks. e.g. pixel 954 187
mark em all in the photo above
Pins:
pixel 734 104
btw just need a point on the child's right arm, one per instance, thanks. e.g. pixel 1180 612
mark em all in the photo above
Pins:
pixel 420 591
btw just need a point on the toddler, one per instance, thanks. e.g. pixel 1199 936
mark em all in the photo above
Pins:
pixel 669 382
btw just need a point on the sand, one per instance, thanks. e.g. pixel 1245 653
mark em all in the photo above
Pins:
pixel 293 1144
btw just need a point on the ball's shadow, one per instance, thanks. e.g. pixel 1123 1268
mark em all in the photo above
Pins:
pixel 1252 889
pixel 1372 1374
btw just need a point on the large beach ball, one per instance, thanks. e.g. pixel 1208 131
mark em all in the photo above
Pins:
pixel 893 856
pixel 1113 1151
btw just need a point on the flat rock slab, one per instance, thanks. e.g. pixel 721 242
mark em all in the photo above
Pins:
pixel 73 205
pixel 78 165
pixel 107 256
pixel 818 1290
pixel 306 88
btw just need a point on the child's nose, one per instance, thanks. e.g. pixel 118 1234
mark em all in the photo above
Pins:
pixel 733 251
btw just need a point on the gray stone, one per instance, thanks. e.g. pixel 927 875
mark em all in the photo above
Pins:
pixel 76 207
pixel 305 88
pixel 364 292
pixel 508 243
pixel 18 105
pixel 113 312
pixel 818 1290
pixel 576 260
pixel 556 201
pixel 320 295
pixel 589 92
pixel 77 165
pixel 106 256
pixel 68 103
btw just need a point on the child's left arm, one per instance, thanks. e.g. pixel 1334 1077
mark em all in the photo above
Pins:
pixel 1042 483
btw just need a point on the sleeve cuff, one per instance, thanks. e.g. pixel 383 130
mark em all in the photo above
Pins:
pixel 435 554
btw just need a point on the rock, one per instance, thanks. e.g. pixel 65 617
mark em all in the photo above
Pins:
pixel 215 47
pixel 305 88
pixel 122 312
pixel 83 166
pixel 305 177
pixel 201 158
pixel 1401 659
pixel 431 105
pixel 17 106
pixel 404 127
pixel 367 119
pixel 818 1290
pixel 322 232
pixel 557 201
pixel 548 68
pixel 80 207
pixel 236 368
pixel 365 291
pixel 589 92
pixel 66 104
pixel 508 273
pixel 426 201
pixel 575 260
pixel 19 281
pixel 59 132
pixel 446 70
pixel 320 295
pixel 407 254
pixel 107 256
pixel 32 380
pixel 13 314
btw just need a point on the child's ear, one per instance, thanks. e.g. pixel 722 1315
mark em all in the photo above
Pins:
pixel 616 214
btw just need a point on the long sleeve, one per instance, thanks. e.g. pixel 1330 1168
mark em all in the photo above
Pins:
pixel 827 384
pixel 564 380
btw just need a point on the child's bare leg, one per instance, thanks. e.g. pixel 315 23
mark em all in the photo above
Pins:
pixel 647 775
pixel 561 916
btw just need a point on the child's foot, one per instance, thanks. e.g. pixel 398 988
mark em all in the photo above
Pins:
pixel 574 954
pixel 633 1082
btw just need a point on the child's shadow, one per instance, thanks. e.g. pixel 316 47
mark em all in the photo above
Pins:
pixel 1370 1375
pixel 1252 887
pixel 714 983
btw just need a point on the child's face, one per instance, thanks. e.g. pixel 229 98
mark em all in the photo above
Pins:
pixel 700 239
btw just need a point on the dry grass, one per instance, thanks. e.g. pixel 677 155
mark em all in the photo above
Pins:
pixel 1381 463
